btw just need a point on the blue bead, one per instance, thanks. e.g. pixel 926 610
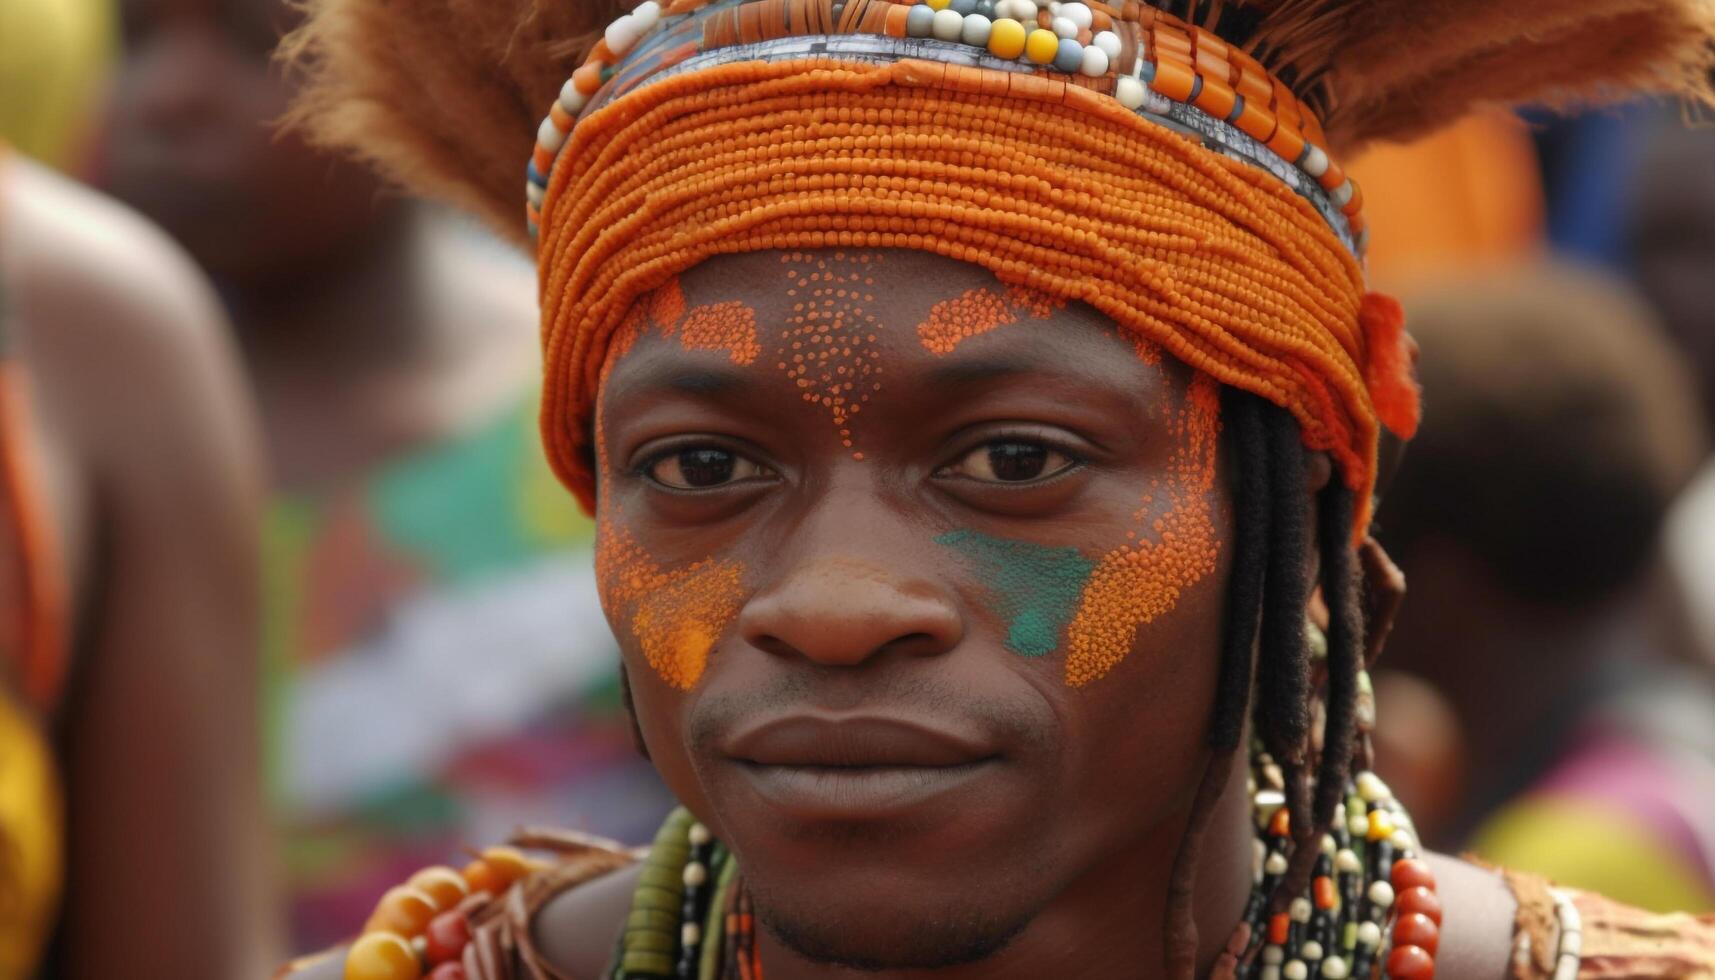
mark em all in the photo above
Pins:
pixel 1238 108
pixel 919 20
pixel 1146 71
pixel 535 175
pixel 964 7
pixel 986 8
pixel 1069 55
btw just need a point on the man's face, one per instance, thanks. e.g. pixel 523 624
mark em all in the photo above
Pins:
pixel 919 581
pixel 192 141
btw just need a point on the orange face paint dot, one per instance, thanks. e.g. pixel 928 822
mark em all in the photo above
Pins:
pixel 729 327
pixel 835 331
pixel 1139 582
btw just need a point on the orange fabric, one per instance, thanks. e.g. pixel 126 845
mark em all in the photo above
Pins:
pixel 41 654
pixel 1050 186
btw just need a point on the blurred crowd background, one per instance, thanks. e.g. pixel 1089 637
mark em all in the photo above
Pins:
pixel 1546 701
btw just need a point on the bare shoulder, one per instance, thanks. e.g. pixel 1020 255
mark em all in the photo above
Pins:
pixel 576 931
pixel 1477 925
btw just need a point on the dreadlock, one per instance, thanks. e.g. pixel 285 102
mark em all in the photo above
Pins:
pixel 1267 597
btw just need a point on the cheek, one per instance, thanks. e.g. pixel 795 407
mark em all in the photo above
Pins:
pixel 1137 584
pixel 1033 589
pixel 672 617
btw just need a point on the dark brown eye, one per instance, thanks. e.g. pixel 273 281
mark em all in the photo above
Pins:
pixel 702 468
pixel 1011 462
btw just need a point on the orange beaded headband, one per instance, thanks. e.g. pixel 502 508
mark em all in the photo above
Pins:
pixel 1212 246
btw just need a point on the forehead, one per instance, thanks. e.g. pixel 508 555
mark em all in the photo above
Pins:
pixel 845 323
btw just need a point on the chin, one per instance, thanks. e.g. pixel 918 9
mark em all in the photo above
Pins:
pixel 836 927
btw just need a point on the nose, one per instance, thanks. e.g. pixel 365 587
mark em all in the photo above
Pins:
pixel 840 612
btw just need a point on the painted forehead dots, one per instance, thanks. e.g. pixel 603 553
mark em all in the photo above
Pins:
pixel 1152 63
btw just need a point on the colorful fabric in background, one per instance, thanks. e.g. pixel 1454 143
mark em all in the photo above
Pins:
pixel 54 56
pixel 1628 808
pixel 440 672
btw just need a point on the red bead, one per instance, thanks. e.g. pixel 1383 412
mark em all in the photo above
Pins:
pixel 446 937
pixel 447 971
pixel 1417 929
pixel 1279 928
pixel 1410 963
pixel 1411 873
pixel 1420 900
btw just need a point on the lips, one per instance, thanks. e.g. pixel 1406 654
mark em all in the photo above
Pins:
pixel 854 768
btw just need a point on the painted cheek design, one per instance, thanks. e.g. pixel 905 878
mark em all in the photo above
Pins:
pixel 1035 588
pixel 1139 582
pixel 676 615
pixel 978 311
pixel 828 347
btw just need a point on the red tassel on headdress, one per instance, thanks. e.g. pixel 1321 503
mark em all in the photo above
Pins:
pixel 1391 369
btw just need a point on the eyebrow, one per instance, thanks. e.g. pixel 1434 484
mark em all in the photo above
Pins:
pixel 964 373
pixel 676 379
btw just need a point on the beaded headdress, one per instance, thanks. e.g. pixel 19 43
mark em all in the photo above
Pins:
pixel 1170 165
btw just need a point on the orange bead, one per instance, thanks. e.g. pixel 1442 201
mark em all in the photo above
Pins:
pixel 587 79
pixel 1410 963
pixel 508 862
pixel 1173 79
pixel 1323 889
pixel 1280 824
pixel 1420 900
pixel 1256 121
pixel 1416 929
pixel 443 885
pixel 381 956
pixel 1217 98
pixel 482 878
pixel 1411 873
pixel 1287 141
pixel 1279 928
pixel 403 910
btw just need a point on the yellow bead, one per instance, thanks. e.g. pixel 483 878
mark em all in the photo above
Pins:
pixel 382 956
pixel 939 4
pixel 1381 825
pixel 1006 38
pixel 403 910
pixel 442 885
pixel 1042 45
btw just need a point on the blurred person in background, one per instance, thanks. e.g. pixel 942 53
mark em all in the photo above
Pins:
pixel 1673 250
pixel 1537 600
pixel 131 811
pixel 439 666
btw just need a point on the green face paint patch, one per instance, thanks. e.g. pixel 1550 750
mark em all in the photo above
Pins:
pixel 1036 588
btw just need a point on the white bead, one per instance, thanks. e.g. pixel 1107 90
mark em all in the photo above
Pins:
pixel 695 874
pixel 1343 194
pixel 948 24
pixel 1381 893
pixel 1259 853
pixel 1063 27
pixel 1312 950
pixel 1571 943
pixel 1269 973
pixel 648 13
pixel 1328 845
pixel 1347 862
pixel 1054 7
pixel 1316 164
pixel 1095 63
pixel 689 934
pixel 1130 92
pixel 622 34
pixel 1370 786
pixel 1369 935
pixel 1276 864
pixel 1079 13
pixel 1566 968
pixel 976 30
pixel 1334 968
pixel 1403 841
pixel 1299 910
pixel 1024 12
pixel 1110 42
pixel 549 136
pixel 572 100
pixel 1358 826
pixel 534 194
pixel 698 835
pixel 1273 955
pixel 1295 970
